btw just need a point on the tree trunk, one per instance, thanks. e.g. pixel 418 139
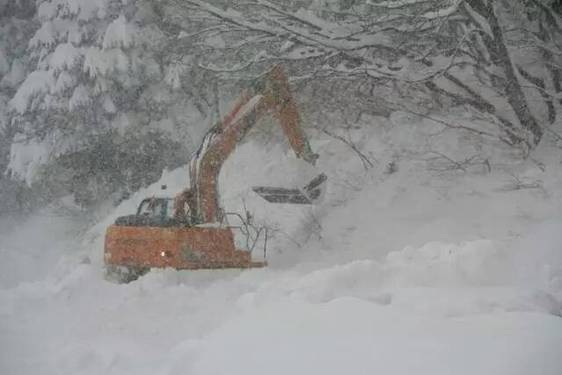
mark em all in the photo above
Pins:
pixel 514 93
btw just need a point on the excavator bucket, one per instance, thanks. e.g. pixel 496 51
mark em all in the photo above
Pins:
pixel 281 195
pixel 307 195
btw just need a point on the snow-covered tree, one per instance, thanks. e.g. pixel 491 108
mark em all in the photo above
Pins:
pixel 16 28
pixel 140 72
pixel 467 52
pixel 99 68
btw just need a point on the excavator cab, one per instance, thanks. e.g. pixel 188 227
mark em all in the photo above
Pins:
pixel 156 207
pixel 152 212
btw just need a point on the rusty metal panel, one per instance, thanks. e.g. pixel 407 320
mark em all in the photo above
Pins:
pixel 176 247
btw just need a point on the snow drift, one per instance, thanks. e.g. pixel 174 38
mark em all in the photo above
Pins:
pixel 397 272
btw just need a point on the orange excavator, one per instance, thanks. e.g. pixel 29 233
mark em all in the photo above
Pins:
pixel 190 231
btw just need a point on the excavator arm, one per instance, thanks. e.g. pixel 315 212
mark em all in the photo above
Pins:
pixel 268 94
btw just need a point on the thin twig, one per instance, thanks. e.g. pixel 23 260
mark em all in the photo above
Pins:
pixel 367 163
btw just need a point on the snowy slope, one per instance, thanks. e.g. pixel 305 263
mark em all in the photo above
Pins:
pixel 421 271
pixel 432 310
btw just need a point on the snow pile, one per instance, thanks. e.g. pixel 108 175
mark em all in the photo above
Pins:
pixel 408 312
pixel 353 335
pixel 31 257
pixel 397 271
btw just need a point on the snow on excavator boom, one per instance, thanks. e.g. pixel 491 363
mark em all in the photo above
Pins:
pixel 269 93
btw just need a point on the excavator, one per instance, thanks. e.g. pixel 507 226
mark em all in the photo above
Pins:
pixel 190 231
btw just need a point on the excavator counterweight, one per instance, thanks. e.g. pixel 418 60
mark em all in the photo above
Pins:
pixel 188 232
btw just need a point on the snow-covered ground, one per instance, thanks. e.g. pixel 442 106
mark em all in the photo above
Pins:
pixel 423 270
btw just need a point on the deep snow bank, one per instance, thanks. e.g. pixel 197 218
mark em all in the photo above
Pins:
pixel 439 309
pixel 422 269
pixel 367 213
pixel 353 335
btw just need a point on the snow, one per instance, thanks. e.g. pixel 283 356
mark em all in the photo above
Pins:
pixel 80 97
pixel 246 108
pixel 84 9
pixel 309 319
pixel 64 81
pixel 64 57
pixel 15 75
pixel 108 105
pixel 4 63
pixel 118 34
pixel 395 3
pixel 38 82
pixel 98 62
pixel 448 7
pixel 444 12
pixel 413 271
pixel 47 10
pixel 172 76
pixel 91 9
pixel 484 25
pixel 54 31
pixel 373 339
pixel 44 36
pixel 26 156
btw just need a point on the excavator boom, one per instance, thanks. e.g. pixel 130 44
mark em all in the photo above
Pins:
pixel 269 93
